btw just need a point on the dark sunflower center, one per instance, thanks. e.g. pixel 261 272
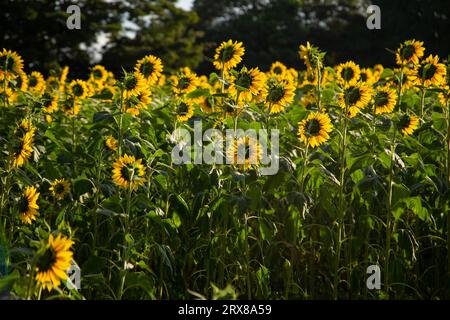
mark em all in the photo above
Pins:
pixel 427 71
pixel 407 52
pixel 127 172
pixel 97 74
pixel 47 260
pixel 381 99
pixel 183 83
pixel 47 99
pixel 77 90
pixel 147 68
pixel 59 188
pixel 19 82
pixel 277 70
pixel 23 204
pixel 227 53
pixel 182 109
pixel 244 80
pixel 404 122
pixel 363 77
pixel 352 95
pixel 7 63
pixel 348 74
pixel 275 94
pixel 130 82
pixel 32 82
pixel 312 127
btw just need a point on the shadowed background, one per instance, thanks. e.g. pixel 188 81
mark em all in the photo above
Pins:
pixel 117 33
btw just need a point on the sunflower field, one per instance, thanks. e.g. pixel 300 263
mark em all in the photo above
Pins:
pixel 88 179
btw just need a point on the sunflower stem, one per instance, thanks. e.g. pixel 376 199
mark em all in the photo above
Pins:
pixel 422 103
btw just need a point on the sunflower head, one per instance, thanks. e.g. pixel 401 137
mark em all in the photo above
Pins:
pixel 355 97
pixel 245 152
pixel 184 110
pixel 11 64
pixel 111 143
pixel 348 73
pixel 409 52
pixel 407 124
pixel 430 72
pixel 133 84
pixel 311 56
pixel 27 205
pixel 60 188
pixel 78 89
pixel 278 94
pixel 23 149
pixel 128 172
pixel 385 100
pixel 185 82
pixel 228 55
pixel 98 74
pixel 278 69
pixel 36 83
pixel 315 129
pixel 150 67
pixel 247 83
pixel 53 261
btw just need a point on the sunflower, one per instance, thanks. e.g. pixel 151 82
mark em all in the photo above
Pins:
pixel 355 97
pixel 292 75
pixel 378 70
pixel 408 78
pixel 128 172
pixel 367 76
pixel 25 126
pixel 134 104
pixel 49 102
pixel 184 110
pixel 150 67
pixel 98 74
pixel 70 106
pixel 311 56
pixel 28 208
pixel 11 64
pixel 309 100
pixel 134 83
pixel 430 72
pixel 22 81
pixel 247 82
pixel 23 150
pixel 36 83
pixel 59 188
pixel 385 100
pixel 409 52
pixel 348 73
pixel 185 82
pixel 278 69
pixel 53 262
pixel 408 124
pixel 8 94
pixel 63 79
pixel 278 94
pixel 228 55
pixel 444 96
pixel 78 89
pixel 111 143
pixel 245 152
pixel 315 129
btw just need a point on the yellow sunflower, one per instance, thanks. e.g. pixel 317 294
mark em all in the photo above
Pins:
pixel 247 82
pixel 27 205
pixel 378 71
pixel 348 73
pixel 98 74
pixel 49 102
pixel 409 52
pixel 367 76
pixel 444 96
pixel 315 129
pixel 430 72
pixel 128 172
pixel 186 82
pixel 228 55
pixel 385 100
pixel 355 97
pixel 151 68
pixel 36 83
pixel 59 188
pixel 78 89
pixel 408 124
pixel 11 64
pixel 53 262
pixel 134 83
pixel 278 94
pixel 70 106
pixel 134 104
pixel 25 126
pixel 111 143
pixel 63 79
pixel 23 150
pixel 278 69
pixel 184 110
pixel 245 152
pixel 22 81
pixel 304 52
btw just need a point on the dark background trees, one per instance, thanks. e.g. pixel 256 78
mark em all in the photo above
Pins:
pixel 121 31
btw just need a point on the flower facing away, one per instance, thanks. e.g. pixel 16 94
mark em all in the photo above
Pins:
pixel 150 67
pixel 430 72
pixel 315 129
pixel 408 124
pixel 53 262
pixel 385 100
pixel 27 205
pixel 278 94
pixel 348 73
pixel 60 188
pixel 23 150
pixel 410 52
pixel 228 55
pixel 128 172
pixel 11 64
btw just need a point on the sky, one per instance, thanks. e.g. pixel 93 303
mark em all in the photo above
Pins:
pixel 185 4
